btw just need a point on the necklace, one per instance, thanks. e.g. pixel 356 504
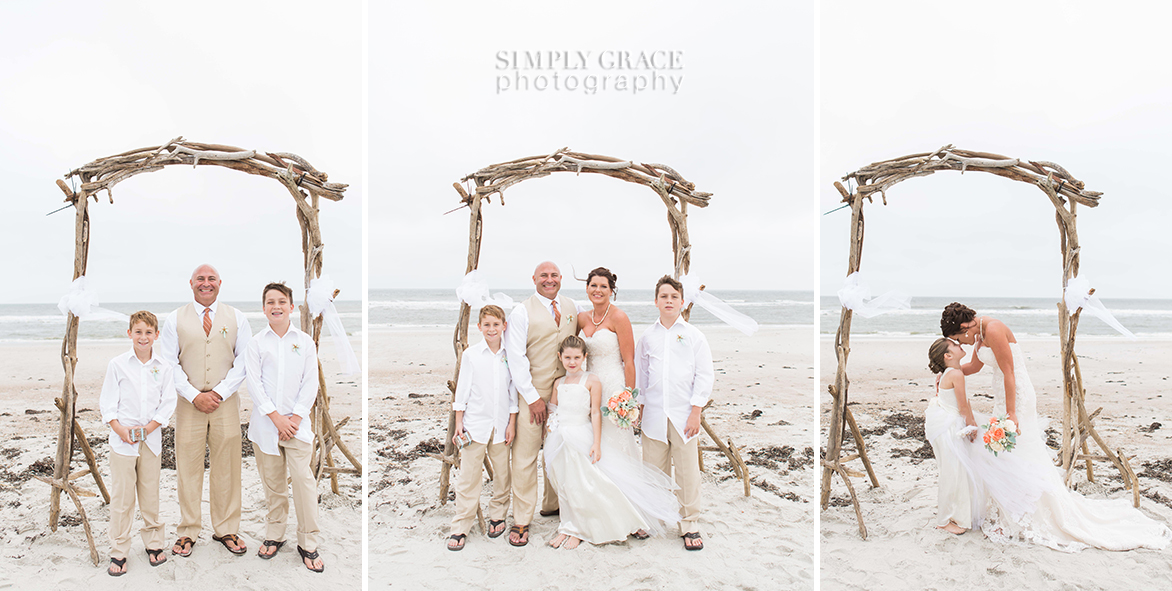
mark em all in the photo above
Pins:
pixel 597 322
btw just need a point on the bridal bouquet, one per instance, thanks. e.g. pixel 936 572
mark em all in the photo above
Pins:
pixel 622 408
pixel 1000 435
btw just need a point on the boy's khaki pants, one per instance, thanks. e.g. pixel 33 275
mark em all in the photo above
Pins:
pixel 526 449
pixel 220 430
pixel 686 458
pixel 275 472
pixel 469 481
pixel 130 475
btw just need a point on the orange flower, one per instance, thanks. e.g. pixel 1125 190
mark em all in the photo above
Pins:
pixel 999 434
pixel 612 404
pixel 987 439
pixel 992 421
pixel 622 412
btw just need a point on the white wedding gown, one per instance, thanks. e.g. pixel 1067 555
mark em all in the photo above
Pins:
pixel 604 360
pixel 607 500
pixel 1026 500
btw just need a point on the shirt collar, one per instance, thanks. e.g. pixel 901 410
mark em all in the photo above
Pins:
pixel 544 300
pixel 154 356
pixel 199 308
pixel 679 320
pixel 269 330
pixel 482 347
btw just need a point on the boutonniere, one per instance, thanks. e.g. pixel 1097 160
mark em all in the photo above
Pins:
pixel 505 359
pixel 224 332
pixel 679 338
pixel 296 349
pixel 155 373
pixel 570 318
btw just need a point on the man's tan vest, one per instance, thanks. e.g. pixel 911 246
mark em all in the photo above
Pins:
pixel 541 344
pixel 206 359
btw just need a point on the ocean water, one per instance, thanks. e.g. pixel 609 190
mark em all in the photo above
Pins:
pixel 1036 317
pixel 39 322
pixel 414 308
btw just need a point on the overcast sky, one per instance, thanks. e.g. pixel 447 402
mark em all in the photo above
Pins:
pixel 743 126
pixel 1085 85
pixel 80 81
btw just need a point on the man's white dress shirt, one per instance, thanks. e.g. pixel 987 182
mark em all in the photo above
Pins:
pixel 516 334
pixel 169 350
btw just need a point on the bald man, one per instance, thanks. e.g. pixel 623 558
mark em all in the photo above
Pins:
pixel 536 327
pixel 206 341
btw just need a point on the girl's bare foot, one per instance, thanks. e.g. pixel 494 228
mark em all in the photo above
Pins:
pixel 952 528
pixel 571 543
pixel 558 541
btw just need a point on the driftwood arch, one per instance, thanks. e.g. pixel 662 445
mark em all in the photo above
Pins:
pixel 1066 193
pixel 673 189
pixel 307 186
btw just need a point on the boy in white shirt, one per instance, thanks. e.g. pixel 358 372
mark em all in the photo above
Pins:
pixel 486 421
pixel 138 396
pixel 281 364
pixel 673 370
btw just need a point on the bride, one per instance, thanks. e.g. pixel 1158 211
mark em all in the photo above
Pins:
pixel 611 344
pixel 1061 519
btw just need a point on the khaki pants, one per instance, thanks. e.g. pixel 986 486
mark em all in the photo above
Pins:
pixel 686 458
pixel 130 475
pixel 275 474
pixel 469 481
pixel 220 431
pixel 526 449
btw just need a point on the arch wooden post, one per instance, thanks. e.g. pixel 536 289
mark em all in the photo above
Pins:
pixel 305 183
pixel 1065 193
pixel 675 192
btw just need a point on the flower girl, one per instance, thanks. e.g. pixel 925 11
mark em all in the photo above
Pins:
pixel 950 425
pixel 605 494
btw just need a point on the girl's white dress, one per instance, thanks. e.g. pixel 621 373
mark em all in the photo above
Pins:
pixel 942 426
pixel 610 499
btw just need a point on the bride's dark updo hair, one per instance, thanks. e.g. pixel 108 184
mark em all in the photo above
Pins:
pixel 955 314
pixel 572 342
pixel 936 355
pixel 611 279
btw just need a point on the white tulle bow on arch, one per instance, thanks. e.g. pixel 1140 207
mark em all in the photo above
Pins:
pixel 855 295
pixel 320 299
pixel 715 306
pixel 1078 295
pixel 473 291
pixel 82 300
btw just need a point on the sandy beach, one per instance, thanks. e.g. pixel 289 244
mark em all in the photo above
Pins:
pixel 763 397
pixel 890 387
pixel 31 377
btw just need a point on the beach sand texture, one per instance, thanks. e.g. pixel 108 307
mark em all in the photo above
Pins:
pixel 31 377
pixel 764 541
pixel 890 387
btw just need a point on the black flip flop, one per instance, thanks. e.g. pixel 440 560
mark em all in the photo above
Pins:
pixel 695 535
pixel 459 538
pixel 492 526
pixel 155 556
pixel 269 544
pixel 118 562
pixel 309 556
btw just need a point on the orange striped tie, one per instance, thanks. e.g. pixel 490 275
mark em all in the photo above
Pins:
pixel 557 314
pixel 207 321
